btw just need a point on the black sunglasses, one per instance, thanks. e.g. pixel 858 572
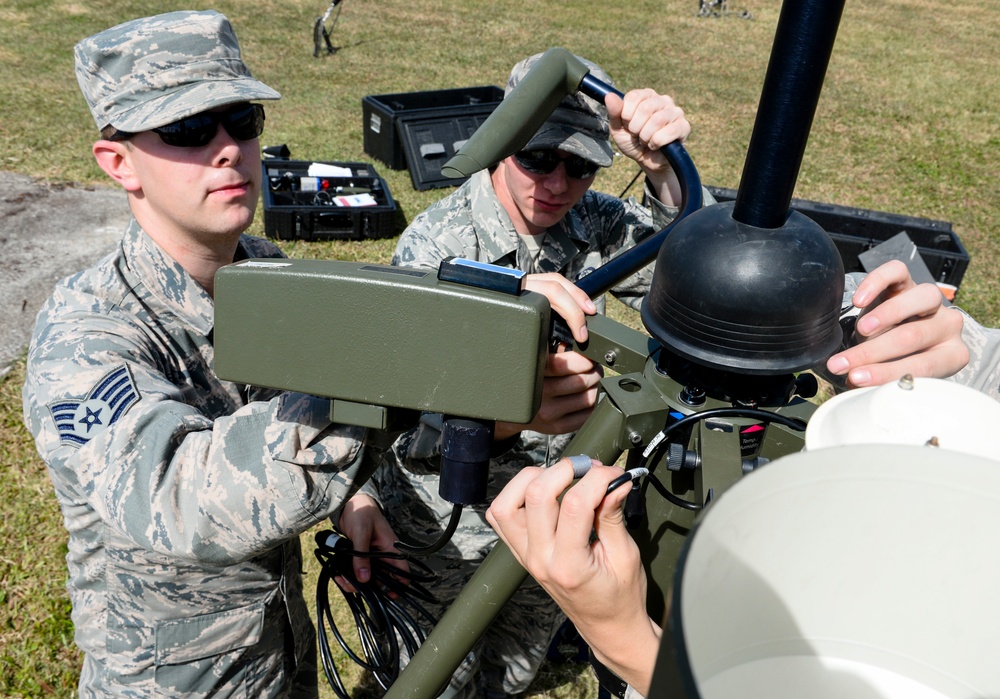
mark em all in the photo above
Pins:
pixel 242 123
pixel 542 162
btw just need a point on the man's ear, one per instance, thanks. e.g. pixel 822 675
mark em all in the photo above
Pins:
pixel 115 158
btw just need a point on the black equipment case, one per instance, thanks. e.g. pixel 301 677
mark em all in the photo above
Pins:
pixel 353 206
pixel 422 130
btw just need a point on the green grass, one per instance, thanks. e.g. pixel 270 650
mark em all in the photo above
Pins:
pixel 906 124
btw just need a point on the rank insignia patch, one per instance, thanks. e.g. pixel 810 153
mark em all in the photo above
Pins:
pixel 79 421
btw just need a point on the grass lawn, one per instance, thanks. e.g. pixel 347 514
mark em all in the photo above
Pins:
pixel 907 124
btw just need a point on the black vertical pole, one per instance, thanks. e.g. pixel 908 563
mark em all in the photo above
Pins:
pixel 803 42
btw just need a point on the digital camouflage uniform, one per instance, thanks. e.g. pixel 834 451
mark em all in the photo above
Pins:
pixel 983 370
pixel 471 223
pixel 184 496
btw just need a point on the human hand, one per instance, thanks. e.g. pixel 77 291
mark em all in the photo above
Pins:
pixel 641 124
pixel 569 392
pixel 565 298
pixel 599 583
pixel 362 521
pixel 907 329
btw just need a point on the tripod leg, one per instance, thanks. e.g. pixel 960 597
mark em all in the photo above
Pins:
pixel 492 585
pixel 321 36
pixel 319 33
pixel 330 48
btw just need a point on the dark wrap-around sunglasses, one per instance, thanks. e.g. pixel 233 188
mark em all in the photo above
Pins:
pixel 243 123
pixel 542 162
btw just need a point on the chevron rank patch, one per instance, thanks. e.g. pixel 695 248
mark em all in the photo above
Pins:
pixel 79 421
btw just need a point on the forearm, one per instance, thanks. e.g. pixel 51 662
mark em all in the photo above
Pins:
pixel 634 657
pixel 227 491
pixel 664 185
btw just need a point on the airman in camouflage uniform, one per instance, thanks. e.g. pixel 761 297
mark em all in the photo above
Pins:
pixel 184 495
pixel 476 223
pixel 472 223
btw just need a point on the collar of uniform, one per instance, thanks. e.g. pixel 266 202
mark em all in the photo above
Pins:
pixel 498 237
pixel 565 241
pixel 493 227
pixel 166 280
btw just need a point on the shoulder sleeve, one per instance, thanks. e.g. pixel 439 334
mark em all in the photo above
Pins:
pixel 443 230
pixel 983 370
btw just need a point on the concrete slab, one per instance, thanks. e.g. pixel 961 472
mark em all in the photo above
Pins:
pixel 47 232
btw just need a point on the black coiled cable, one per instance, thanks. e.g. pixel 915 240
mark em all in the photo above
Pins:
pixel 384 609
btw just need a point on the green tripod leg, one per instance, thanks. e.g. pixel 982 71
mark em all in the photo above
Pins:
pixel 493 584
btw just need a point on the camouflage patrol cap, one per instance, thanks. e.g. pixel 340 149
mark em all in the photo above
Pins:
pixel 579 125
pixel 153 71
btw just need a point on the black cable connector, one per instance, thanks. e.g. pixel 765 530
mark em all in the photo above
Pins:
pixel 627 477
pixel 682 459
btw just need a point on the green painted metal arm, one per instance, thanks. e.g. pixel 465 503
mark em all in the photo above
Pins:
pixel 512 124
pixel 491 587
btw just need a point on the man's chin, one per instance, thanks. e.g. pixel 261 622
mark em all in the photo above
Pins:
pixel 546 219
pixel 236 220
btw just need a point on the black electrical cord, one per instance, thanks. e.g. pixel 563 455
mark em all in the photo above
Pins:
pixel 437 544
pixel 659 442
pixel 654 451
pixel 384 609
pixel 629 476
pixel 667 495
pixel 753 413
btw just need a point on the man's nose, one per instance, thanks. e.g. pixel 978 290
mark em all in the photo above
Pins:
pixel 556 181
pixel 225 148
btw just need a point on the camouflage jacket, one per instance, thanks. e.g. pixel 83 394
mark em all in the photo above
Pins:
pixel 184 495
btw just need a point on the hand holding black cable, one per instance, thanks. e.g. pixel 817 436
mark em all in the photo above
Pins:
pixel 384 609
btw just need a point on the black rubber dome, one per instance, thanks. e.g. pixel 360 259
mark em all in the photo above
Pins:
pixel 731 296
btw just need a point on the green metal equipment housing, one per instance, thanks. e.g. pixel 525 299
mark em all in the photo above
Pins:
pixel 373 335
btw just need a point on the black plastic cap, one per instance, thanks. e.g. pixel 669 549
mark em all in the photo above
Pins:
pixel 731 296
